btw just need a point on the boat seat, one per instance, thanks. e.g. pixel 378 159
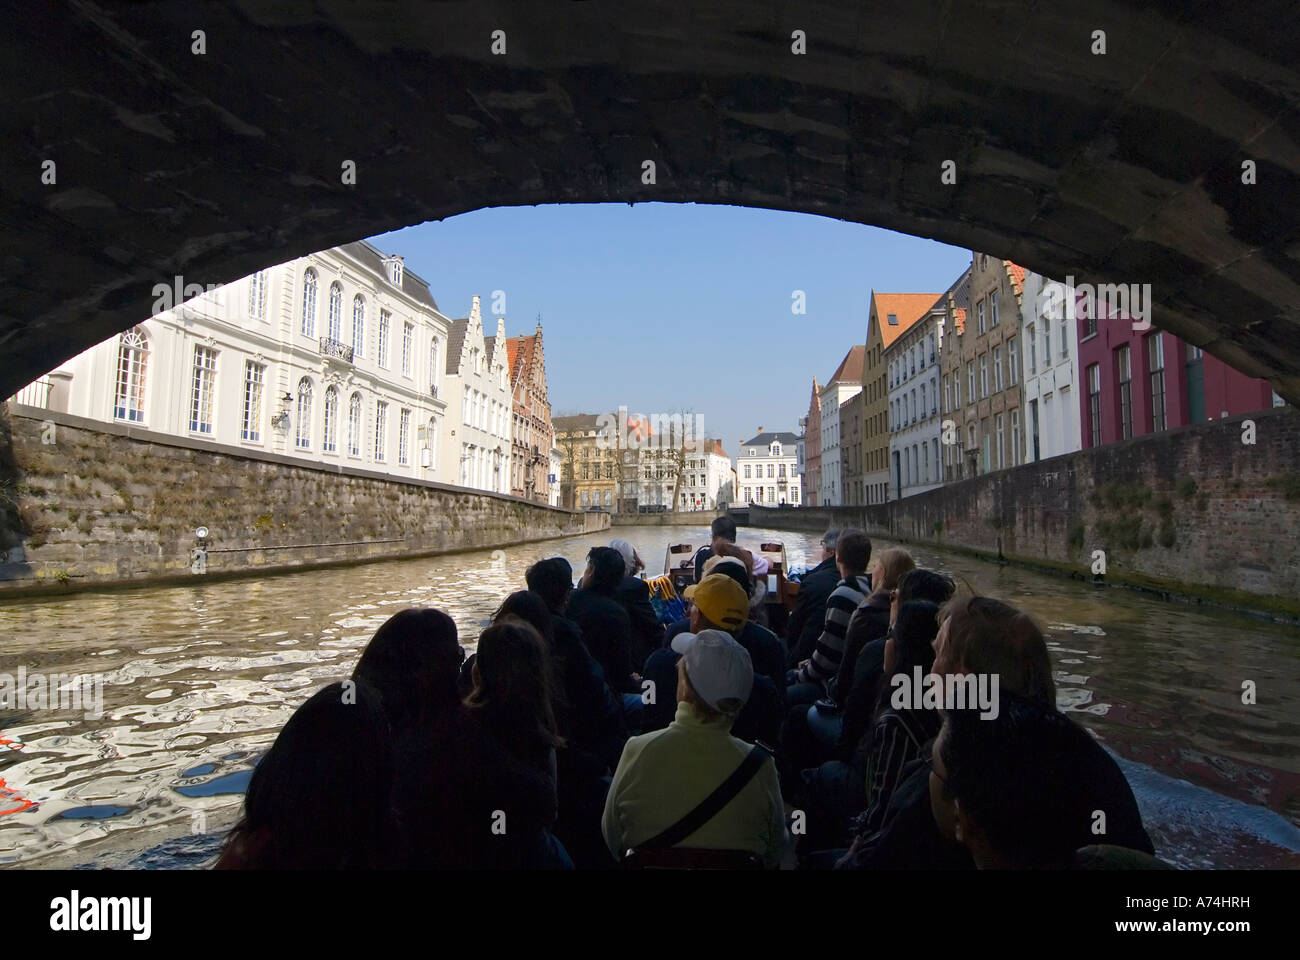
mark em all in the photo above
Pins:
pixel 691 858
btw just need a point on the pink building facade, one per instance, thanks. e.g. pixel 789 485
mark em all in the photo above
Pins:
pixel 1135 382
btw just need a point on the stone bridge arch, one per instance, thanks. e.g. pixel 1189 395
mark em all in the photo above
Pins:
pixel 1122 166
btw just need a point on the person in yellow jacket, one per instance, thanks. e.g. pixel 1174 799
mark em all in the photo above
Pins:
pixel 664 775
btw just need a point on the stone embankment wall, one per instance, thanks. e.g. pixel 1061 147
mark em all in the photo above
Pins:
pixel 84 503
pixel 1195 513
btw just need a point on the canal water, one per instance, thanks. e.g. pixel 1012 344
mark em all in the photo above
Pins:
pixel 198 679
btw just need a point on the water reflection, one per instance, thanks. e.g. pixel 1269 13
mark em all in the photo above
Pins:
pixel 198 680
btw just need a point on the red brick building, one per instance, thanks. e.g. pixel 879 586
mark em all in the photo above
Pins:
pixel 531 432
pixel 812 433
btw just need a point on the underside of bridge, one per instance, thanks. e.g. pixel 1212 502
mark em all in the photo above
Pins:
pixel 208 155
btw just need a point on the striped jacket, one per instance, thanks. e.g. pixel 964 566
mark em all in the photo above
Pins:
pixel 825 662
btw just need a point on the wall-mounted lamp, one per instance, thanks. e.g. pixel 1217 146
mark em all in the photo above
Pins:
pixel 281 419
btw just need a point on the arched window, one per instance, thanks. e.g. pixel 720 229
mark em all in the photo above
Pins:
pixel 329 436
pixel 925 462
pixel 923 406
pixel 354 425
pixel 359 325
pixel 132 359
pixel 309 303
pixel 302 436
pixel 257 295
pixel 336 312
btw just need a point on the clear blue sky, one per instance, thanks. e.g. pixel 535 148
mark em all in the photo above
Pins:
pixel 664 307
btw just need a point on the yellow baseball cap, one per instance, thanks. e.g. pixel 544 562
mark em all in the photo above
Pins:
pixel 721 600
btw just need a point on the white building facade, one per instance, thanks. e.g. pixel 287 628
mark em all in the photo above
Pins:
pixel 553 477
pixel 1049 371
pixel 767 469
pixel 834 394
pixel 707 478
pixel 915 429
pixel 333 358
pixel 478 388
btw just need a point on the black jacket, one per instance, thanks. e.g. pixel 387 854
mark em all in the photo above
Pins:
pixel 451 777
pixel 647 632
pixel 607 634
pixel 759 719
pixel 589 714
pixel 858 684
pixel 809 615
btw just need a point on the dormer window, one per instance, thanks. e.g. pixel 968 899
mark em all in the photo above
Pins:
pixel 393 267
pixel 893 319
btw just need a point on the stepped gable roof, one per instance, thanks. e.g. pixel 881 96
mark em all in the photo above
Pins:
pixel 520 354
pixel 959 293
pixel 456 343
pixel 908 307
pixel 767 437
pixel 1017 274
pixel 850 368
pixel 412 285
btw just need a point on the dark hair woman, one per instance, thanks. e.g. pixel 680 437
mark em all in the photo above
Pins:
pixel 412 662
pixel 320 797
pixel 511 699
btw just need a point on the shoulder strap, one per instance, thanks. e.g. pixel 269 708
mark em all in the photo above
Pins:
pixel 711 805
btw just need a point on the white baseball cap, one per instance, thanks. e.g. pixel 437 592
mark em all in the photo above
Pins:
pixel 718 667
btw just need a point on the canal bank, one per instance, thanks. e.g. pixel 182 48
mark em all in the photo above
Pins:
pixel 1205 514
pixel 86 504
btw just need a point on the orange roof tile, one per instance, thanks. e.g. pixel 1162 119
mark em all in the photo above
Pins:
pixel 1017 274
pixel 909 308
pixel 850 368
pixel 520 352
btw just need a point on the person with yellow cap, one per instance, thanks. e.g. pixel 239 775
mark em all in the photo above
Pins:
pixel 718 602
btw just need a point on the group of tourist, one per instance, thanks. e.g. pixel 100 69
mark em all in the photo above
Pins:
pixel 585 733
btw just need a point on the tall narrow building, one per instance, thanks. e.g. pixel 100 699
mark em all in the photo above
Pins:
pixel 812 476
pixel 981 372
pixel 478 385
pixel 844 384
pixel 531 433
pixel 891 314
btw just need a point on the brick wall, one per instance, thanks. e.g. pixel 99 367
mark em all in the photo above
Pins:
pixel 1193 511
pixel 107 503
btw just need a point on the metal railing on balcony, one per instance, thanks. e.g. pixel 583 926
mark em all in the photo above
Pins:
pixel 433 390
pixel 333 348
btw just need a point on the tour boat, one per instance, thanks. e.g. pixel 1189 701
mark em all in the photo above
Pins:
pixel 777 593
